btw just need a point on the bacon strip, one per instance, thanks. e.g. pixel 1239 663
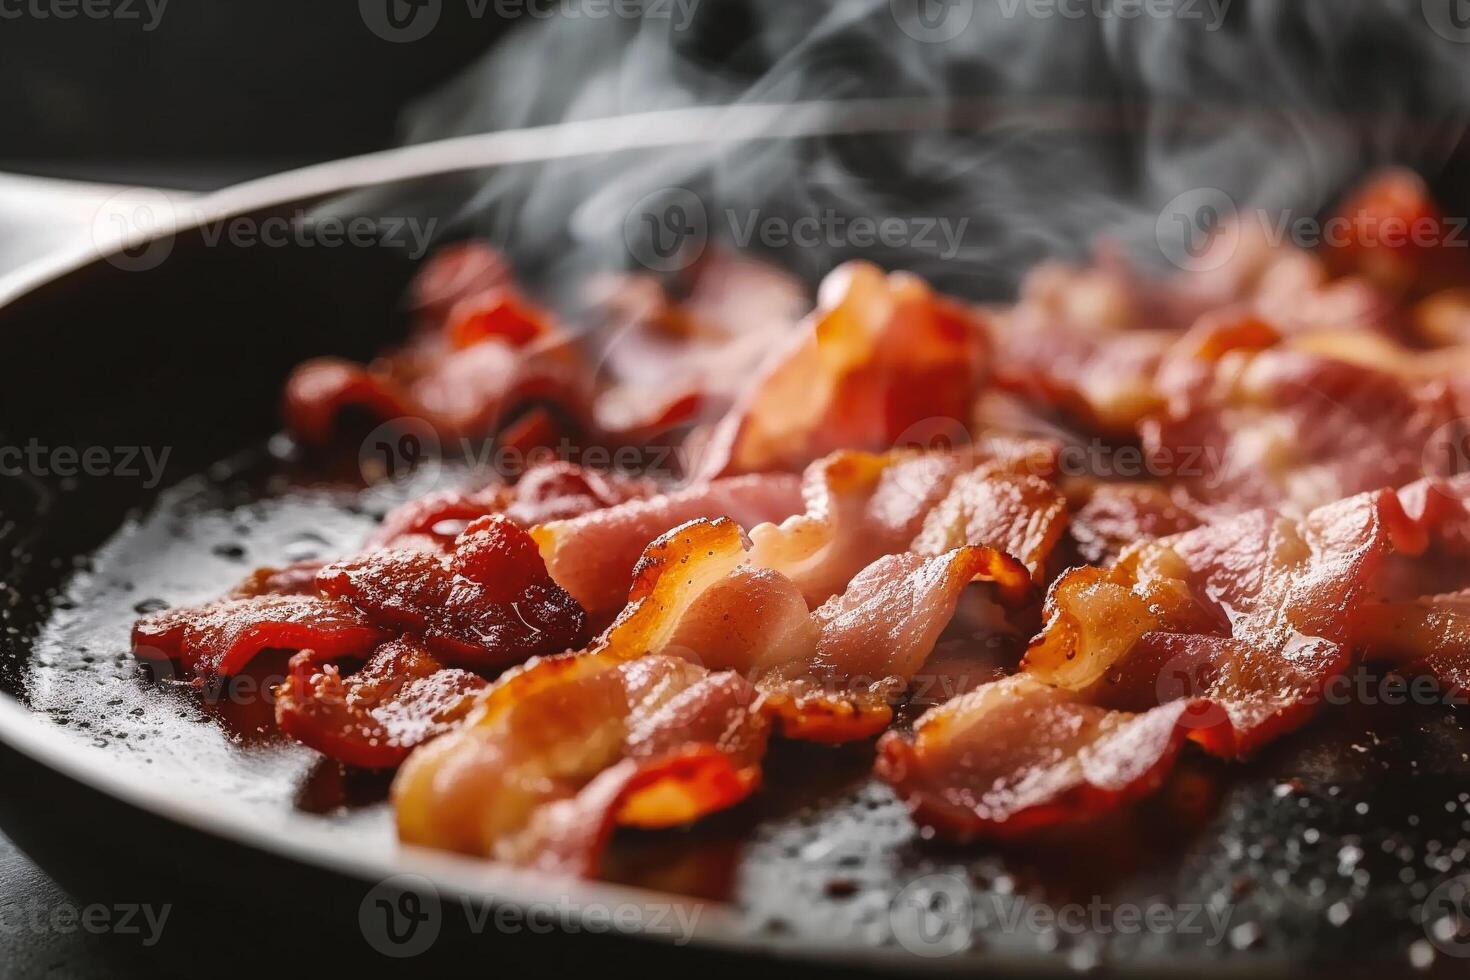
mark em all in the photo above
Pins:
pixel 829 675
pixel 401 698
pixel 1224 635
pixel 593 556
pixel 560 750
pixel 220 638
pixel 880 355
pixel 488 605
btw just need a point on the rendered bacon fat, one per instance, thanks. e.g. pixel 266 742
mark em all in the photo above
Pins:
pixel 1224 635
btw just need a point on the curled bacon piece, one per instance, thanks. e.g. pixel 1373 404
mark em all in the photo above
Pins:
pixel 880 355
pixel 827 675
pixel 559 751
pixel 220 638
pixel 489 604
pixel 593 556
pixel 401 698
pixel 1224 635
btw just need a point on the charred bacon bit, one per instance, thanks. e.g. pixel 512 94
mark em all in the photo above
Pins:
pixel 488 605
pixel 561 749
pixel 881 354
pixel 372 718
pixel 1225 635
pixel 593 556
pixel 220 638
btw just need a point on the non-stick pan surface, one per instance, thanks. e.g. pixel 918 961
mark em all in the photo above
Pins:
pixel 1318 855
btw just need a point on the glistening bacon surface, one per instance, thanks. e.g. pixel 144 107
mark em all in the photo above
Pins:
pixel 559 751
pixel 593 556
pixel 488 605
pixel 220 638
pixel 880 355
pixel 1224 635
pixel 826 675
pixel 375 716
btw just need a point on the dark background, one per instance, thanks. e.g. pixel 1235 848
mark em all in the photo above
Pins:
pixel 220 88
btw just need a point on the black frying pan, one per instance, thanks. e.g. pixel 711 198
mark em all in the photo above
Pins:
pixel 1316 856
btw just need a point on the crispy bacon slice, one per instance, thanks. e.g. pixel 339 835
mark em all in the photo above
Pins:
pixel 593 556
pixel 1428 636
pixel 880 355
pixel 1020 514
pixel 488 605
pixel 1224 635
pixel 401 698
pixel 559 751
pixel 220 638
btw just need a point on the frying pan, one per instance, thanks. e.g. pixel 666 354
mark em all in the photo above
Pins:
pixel 1317 856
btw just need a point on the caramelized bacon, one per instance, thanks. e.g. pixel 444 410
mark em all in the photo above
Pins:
pixel 490 604
pixel 561 749
pixel 220 638
pixel 880 355
pixel 401 698
pixel 1224 635
pixel 827 675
